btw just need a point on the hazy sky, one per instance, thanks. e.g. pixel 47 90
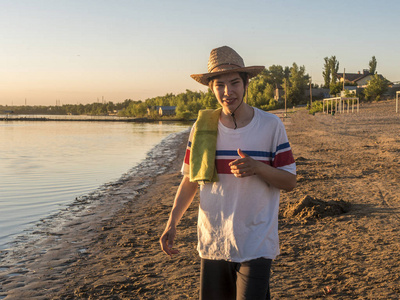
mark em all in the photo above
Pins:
pixel 83 51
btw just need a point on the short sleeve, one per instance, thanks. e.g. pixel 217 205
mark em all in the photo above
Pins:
pixel 186 161
pixel 283 157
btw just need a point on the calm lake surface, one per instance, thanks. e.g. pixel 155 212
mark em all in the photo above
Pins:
pixel 46 165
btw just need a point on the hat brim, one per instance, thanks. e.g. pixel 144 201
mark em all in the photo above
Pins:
pixel 205 78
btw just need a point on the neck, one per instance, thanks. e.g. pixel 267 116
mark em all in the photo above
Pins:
pixel 239 117
pixel 233 114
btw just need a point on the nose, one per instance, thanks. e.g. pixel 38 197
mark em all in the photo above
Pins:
pixel 227 90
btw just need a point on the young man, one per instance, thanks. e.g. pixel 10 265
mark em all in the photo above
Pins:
pixel 241 158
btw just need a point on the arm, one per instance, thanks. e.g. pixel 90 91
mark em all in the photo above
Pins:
pixel 247 166
pixel 184 196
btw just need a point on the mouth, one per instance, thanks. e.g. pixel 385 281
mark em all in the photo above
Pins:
pixel 230 101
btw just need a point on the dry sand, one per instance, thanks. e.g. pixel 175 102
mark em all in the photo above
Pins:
pixel 112 252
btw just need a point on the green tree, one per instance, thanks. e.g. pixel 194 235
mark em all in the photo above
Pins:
pixel 335 88
pixel 372 65
pixel 110 107
pixel 286 72
pixel 274 75
pixel 331 67
pixel 123 105
pixel 327 73
pixel 255 91
pixel 209 101
pixel 80 109
pixel 135 109
pixel 376 87
pixel 262 88
pixel 334 69
pixel 296 85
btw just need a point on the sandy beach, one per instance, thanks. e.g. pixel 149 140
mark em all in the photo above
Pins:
pixel 339 229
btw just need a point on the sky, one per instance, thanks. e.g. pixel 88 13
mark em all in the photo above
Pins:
pixel 84 51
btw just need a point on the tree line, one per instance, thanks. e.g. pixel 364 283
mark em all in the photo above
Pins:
pixel 67 109
pixel 263 93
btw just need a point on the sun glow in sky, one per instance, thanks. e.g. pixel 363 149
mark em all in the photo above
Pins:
pixel 83 51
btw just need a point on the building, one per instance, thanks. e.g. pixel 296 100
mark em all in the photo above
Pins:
pixel 167 110
pixel 359 79
pixel 162 110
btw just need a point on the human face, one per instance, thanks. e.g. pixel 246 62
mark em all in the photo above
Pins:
pixel 229 90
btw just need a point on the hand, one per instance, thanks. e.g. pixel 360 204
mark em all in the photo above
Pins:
pixel 167 241
pixel 244 166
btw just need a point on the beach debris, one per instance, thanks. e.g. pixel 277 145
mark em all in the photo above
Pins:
pixel 327 290
pixel 83 251
pixel 310 208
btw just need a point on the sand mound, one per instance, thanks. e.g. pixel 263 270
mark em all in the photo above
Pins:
pixel 310 208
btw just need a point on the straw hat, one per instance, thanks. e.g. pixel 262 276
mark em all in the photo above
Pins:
pixel 225 60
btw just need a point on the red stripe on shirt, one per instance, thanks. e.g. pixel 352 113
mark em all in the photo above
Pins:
pixel 187 156
pixel 222 165
pixel 283 159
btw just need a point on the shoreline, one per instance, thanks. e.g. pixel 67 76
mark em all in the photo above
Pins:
pixel 52 244
pixel 45 166
pixel 351 255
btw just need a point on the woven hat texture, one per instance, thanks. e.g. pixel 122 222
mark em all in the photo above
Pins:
pixel 224 60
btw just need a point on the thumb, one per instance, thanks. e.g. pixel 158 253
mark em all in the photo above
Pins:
pixel 241 153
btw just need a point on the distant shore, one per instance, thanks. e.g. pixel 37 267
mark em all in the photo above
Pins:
pixel 85 119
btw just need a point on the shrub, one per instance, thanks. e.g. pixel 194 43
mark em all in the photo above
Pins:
pixel 186 115
pixel 376 87
pixel 315 107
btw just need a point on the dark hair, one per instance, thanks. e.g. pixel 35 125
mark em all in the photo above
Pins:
pixel 243 75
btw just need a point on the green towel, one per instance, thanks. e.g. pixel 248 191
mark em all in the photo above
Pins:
pixel 204 146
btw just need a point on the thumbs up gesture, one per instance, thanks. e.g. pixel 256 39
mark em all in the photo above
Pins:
pixel 244 166
pixel 241 153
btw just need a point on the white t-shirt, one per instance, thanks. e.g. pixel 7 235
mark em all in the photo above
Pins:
pixel 238 217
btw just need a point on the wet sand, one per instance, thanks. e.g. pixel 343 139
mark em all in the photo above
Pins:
pixel 111 251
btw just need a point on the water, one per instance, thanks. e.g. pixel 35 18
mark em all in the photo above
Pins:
pixel 46 165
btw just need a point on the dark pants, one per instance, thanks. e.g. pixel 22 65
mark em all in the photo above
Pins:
pixel 224 280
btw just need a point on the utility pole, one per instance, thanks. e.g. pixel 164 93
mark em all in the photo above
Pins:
pixel 310 92
pixel 344 74
pixel 285 98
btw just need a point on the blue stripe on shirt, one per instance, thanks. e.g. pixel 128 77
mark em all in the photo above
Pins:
pixel 250 153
